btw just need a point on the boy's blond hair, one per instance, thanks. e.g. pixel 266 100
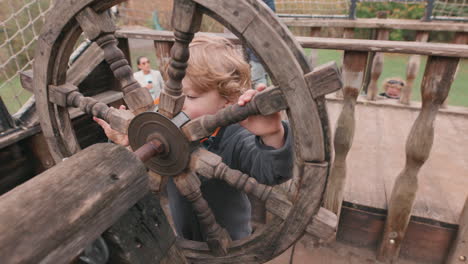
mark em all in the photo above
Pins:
pixel 394 81
pixel 215 63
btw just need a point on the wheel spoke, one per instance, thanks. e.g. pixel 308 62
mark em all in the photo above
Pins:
pixel 100 28
pixel 85 64
pixel 68 95
pixel 217 237
pixel 210 165
pixel 266 102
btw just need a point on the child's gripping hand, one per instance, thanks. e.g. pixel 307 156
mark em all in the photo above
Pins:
pixel 269 127
pixel 115 136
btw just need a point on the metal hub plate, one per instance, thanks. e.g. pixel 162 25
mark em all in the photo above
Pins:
pixel 150 125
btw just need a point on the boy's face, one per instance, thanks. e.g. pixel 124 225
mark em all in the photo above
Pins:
pixel 201 103
pixel 393 91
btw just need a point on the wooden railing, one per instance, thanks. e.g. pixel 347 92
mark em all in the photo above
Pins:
pixel 381 29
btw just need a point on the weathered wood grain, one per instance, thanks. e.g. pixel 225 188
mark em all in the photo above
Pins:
pixel 324 79
pixel 412 70
pixel 435 86
pixel 85 64
pixel 354 64
pixel 377 67
pixel 411 24
pixel 217 238
pixel 142 235
pixel 459 249
pixel 52 217
pixel 323 226
pixel 266 102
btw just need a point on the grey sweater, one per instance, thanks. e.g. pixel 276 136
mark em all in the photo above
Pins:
pixel 240 150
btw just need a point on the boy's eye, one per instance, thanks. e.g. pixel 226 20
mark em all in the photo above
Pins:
pixel 190 97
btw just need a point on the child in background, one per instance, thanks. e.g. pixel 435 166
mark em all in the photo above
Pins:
pixel 392 87
pixel 217 76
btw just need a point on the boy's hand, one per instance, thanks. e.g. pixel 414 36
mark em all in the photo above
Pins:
pixel 115 136
pixel 269 127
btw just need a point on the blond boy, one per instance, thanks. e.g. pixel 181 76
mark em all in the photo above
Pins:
pixel 392 87
pixel 260 146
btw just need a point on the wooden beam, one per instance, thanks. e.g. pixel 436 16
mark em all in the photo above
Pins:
pixel 411 24
pixel 388 46
pixel 52 217
pixel 435 87
pixel 459 251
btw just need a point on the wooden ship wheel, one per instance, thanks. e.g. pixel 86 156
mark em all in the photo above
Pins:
pixel 168 141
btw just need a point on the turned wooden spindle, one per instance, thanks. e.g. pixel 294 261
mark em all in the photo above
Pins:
pixel 67 95
pixel 377 67
pixel 186 20
pixel 101 29
pixel 412 70
pixel 217 237
pixel 354 65
pixel 435 87
pixel 210 165
pixel 459 38
pixel 266 102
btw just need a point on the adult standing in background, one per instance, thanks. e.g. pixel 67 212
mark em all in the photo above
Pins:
pixel 149 78
pixel 258 72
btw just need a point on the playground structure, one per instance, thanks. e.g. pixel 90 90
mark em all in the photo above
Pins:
pixel 439 73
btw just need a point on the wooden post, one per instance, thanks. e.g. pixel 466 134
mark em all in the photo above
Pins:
pixel 348 33
pixel 354 65
pixel 435 86
pixel 460 38
pixel 163 53
pixel 377 67
pixel 459 251
pixel 313 58
pixel 52 217
pixel 412 70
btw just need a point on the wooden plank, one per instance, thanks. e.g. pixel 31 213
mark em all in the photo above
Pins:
pixel 53 216
pixel 412 70
pixel 436 83
pixel 85 64
pixel 142 235
pixel 405 47
pixel 411 24
pixel 354 65
pixel 459 250
pixel 377 67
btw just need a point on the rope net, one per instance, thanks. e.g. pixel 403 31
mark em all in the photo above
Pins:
pixel 20 25
pixel 450 9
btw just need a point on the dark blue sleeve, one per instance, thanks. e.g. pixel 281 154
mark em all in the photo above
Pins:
pixel 241 150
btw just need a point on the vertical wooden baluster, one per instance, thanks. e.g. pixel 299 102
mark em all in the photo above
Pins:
pixel 313 58
pixel 435 86
pixel 460 38
pixel 100 28
pixel 377 67
pixel 412 70
pixel 217 237
pixel 348 33
pixel 354 65
pixel 459 251
pixel 186 20
pixel 163 53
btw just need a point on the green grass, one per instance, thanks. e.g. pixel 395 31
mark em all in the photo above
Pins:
pixel 395 66
pixel 13 95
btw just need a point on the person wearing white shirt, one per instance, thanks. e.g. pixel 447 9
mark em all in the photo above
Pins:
pixel 149 78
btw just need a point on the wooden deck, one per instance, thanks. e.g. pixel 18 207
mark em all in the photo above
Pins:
pixel 378 155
